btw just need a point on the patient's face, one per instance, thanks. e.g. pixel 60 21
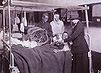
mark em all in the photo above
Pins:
pixel 58 39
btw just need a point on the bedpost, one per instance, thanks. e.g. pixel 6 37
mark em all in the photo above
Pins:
pixel 89 42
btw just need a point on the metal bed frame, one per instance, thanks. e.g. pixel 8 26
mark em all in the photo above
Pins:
pixel 31 6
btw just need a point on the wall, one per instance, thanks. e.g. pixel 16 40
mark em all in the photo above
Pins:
pixel 96 15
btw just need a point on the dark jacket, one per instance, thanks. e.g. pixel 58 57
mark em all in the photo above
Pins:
pixel 77 37
pixel 46 26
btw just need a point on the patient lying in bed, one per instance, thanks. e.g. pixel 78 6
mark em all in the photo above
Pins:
pixel 48 58
pixel 59 41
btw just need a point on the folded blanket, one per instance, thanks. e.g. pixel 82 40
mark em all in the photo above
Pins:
pixel 42 59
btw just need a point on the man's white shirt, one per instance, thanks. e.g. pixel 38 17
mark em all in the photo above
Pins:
pixel 57 27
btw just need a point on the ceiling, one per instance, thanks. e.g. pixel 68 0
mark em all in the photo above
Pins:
pixel 64 2
pixel 53 4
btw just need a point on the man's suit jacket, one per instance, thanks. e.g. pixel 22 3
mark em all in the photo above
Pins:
pixel 77 37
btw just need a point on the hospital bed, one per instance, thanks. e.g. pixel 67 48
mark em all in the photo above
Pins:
pixel 38 59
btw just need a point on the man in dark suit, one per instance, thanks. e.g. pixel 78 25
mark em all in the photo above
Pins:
pixel 79 48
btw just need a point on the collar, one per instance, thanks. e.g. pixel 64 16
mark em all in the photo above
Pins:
pixel 57 21
pixel 75 21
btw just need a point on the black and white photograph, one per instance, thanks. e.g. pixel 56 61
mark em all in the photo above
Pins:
pixel 50 36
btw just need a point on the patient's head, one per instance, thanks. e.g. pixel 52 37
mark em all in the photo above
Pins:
pixel 58 41
pixel 57 38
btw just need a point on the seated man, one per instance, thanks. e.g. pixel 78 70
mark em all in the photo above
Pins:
pixel 45 25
